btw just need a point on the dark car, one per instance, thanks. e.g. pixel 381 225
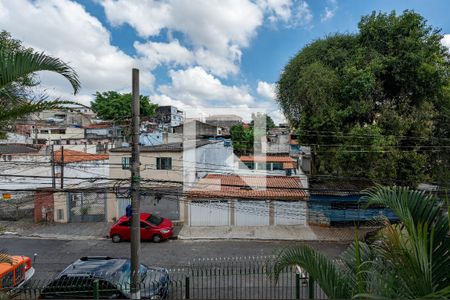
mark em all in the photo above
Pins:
pixel 110 275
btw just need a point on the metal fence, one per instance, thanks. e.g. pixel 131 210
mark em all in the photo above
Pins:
pixel 224 278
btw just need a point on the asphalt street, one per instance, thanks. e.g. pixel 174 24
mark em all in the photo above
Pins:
pixel 54 255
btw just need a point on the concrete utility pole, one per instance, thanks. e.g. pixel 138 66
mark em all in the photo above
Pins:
pixel 135 186
pixel 62 167
pixel 52 159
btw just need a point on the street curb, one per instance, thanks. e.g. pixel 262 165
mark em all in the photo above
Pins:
pixel 53 237
pixel 260 239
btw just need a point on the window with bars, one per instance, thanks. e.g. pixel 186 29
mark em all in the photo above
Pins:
pixel 126 163
pixel 164 163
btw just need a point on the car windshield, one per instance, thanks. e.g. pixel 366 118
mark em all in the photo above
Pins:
pixel 154 220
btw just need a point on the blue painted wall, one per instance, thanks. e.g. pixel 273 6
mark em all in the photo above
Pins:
pixel 331 209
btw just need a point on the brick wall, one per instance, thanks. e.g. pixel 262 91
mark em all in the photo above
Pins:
pixel 43 206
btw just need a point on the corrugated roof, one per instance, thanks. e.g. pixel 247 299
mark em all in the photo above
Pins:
pixel 338 187
pixel 254 187
pixel 170 147
pixel 17 149
pixel 72 156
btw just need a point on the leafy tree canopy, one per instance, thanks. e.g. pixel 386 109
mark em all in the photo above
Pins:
pixel 115 106
pixel 373 104
pixel 242 138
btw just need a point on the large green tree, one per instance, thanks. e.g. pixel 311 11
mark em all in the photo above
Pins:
pixel 115 106
pixel 407 260
pixel 18 67
pixel 375 103
pixel 242 138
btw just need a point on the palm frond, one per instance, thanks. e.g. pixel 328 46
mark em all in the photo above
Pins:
pixel 16 65
pixel 333 282
pixel 418 247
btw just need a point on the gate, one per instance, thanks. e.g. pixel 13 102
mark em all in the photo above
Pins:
pixel 87 207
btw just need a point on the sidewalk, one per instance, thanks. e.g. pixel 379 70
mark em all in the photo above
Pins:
pixel 69 231
pixel 280 232
pixel 58 231
pixel 100 230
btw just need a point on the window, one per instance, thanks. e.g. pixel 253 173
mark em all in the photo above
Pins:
pixel 277 166
pixel 125 224
pixel 7 281
pixel 164 163
pixel 44 131
pixel 263 166
pixel 144 225
pixel 58 131
pixel 126 163
pixel 60 214
pixel 20 273
pixel 154 220
pixel 245 165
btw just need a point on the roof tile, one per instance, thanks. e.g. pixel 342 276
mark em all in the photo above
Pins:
pixel 259 187
pixel 72 156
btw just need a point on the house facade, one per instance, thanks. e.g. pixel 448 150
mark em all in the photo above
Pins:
pixel 233 200
pixel 272 165
pixel 166 170
pixel 168 116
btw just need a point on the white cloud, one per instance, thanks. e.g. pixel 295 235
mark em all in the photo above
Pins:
pixel 276 9
pixel 64 29
pixel 147 17
pixel 194 86
pixel 302 16
pixel 155 54
pixel 446 40
pixel 329 11
pixel 266 90
pixel 277 117
pixel 217 30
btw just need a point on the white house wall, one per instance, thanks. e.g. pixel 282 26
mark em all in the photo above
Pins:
pixel 290 213
pixel 251 213
pixel 209 213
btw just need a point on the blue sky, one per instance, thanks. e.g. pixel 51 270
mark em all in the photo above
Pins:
pixel 195 54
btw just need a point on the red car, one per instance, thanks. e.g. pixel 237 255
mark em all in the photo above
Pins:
pixel 153 228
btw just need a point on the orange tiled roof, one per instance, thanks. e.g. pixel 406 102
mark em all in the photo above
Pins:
pixel 72 156
pixel 254 187
pixel 288 165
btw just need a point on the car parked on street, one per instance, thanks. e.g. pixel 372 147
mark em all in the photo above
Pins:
pixel 102 277
pixel 153 228
pixel 15 274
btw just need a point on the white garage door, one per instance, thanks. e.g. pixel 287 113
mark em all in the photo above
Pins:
pixel 251 213
pixel 290 213
pixel 209 213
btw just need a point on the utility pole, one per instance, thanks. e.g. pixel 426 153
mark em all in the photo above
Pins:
pixel 52 159
pixel 62 167
pixel 135 186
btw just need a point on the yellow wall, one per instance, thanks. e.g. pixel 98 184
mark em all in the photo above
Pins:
pixel 148 166
pixel 60 202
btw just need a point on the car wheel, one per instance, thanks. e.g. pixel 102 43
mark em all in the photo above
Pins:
pixel 156 238
pixel 115 238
